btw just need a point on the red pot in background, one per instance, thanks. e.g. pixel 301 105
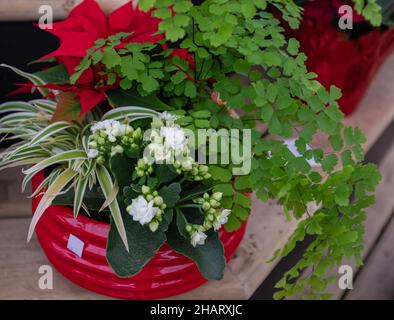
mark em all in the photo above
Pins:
pixel 350 64
pixel 167 274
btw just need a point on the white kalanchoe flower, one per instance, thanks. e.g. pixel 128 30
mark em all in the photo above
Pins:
pixel 168 141
pixel 159 152
pixel 168 117
pixel 187 163
pixel 111 128
pixel 198 238
pixel 221 219
pixel 174 137
pixel 102 125
pixel 142 211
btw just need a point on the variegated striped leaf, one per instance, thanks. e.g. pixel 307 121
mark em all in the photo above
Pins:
pixel 25 162
pixel 58 158
pixel 50 131
pixel 18 117
pixel 53 190
pixel 79 193
pixel 131 113
pixel 17 106
pixel 107 186
pixel 33 78
pixel 47 106
pixel 47 181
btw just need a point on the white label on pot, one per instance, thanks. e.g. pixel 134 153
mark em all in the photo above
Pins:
pixel 75 245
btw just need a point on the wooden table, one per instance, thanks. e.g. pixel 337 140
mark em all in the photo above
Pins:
pixel 24 10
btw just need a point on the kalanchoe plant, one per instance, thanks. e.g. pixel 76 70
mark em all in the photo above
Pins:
pixel 197 65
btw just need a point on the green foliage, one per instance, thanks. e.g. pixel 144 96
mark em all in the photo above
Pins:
pixel 59 144
pixel 141 69
pixel 229 38
pixel 93 199
pixel 57 74
pixel 122 98
pixel 170 194
pixel 143 244
pixel 209 258
pixel 122 167
pixel 370 9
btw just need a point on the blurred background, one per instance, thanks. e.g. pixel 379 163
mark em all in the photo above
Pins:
pixel 360 61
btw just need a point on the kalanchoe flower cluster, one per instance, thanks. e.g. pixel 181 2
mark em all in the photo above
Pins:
pixel 213 217
pixel 143 168
pixel 168 141
pixel 169 144
pixel 200 172
pixel 110 137
pixel 147 208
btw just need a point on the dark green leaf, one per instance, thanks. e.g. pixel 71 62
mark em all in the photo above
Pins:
pixel 171 194
pixel 57 75
pixel 165 173
pixel 93 199
pixel 122 98
pixel 122 168
pixel 181 223
pixel 143 245
pixel 209 257
pixel 194 192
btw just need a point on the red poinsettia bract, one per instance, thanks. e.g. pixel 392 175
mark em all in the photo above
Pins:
pixel 87 23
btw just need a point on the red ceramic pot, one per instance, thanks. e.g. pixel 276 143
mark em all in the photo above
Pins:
pixel 167 274
pixel 349 64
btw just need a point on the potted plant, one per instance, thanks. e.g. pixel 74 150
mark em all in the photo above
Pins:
pixel 127 202
pixel 348 58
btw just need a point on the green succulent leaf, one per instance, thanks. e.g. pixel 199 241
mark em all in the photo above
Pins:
pixel 209 258
pixel 143 245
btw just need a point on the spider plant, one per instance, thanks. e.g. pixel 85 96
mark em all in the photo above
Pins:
pixel 41 143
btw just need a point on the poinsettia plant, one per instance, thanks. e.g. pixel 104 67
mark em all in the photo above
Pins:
pixel 124 94
pixel 343 47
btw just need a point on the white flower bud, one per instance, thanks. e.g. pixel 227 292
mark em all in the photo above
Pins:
pixel 206 206
pixel 214 203
pixel 116 149
pixel 158 201
pixel 154 225
pixel 145 190
pixel 217 196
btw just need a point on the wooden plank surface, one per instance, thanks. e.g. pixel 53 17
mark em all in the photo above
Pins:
pixel 13 203
pixel 19 265
pixel 28 10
